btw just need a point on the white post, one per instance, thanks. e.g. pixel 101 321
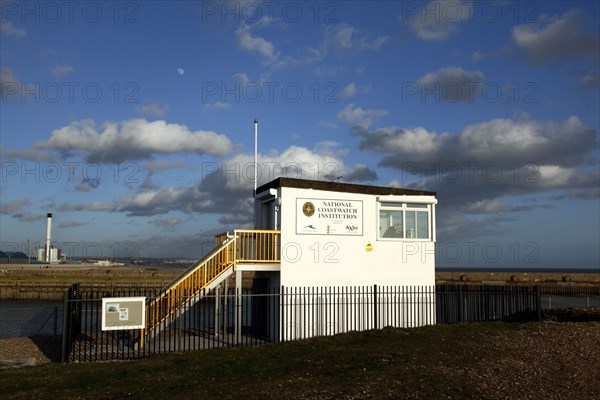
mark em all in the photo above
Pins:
pixel 48 237
pixel 238 308
pixel 255 167
pixel 218 310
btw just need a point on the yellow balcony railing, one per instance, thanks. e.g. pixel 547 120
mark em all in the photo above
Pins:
pixel 257 246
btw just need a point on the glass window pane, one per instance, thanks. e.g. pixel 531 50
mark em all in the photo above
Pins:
pixel 390 224
pixel 416 205
pixel 393 205
pixel 411 228
pixel 384 222
pixel 422 225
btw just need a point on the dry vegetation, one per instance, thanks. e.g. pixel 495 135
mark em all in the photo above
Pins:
pixel 90 273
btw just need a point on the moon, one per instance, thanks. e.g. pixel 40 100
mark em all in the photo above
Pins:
pixel 180 71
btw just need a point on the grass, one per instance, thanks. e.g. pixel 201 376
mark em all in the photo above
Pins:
pixel 388 363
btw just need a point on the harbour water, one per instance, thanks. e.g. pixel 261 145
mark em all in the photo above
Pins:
pixel 27 318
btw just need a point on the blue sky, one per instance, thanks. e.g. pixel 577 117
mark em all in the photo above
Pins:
pixel 132 121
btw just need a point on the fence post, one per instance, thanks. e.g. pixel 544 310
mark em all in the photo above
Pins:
pixel 375 316
pixel 538 303
pixel 460 304
pixel 282 315
pixel 237 329
pixel 71 295
pixel 218 310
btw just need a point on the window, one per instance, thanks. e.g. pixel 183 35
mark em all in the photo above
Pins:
pixel 404 221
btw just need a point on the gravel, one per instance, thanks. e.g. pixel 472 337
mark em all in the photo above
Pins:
pixel 544 361
pixel 29 351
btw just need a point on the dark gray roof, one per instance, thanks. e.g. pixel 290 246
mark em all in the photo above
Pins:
pixel 13 254
pixel 341 187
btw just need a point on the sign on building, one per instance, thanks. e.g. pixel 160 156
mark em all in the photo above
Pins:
pixel 329 217
pixel 123 313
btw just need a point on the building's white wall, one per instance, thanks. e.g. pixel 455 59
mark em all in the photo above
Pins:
pixel 308 312
pixel 328 260
pixel 53 255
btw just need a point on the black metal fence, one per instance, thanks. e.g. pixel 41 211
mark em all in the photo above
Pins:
pixel 475 303
pixel 247 318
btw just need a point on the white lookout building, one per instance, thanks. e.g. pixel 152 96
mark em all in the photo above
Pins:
pixel 331 249
pixel 339 234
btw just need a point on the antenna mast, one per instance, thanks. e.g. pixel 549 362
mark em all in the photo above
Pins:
pixel 255 153
pixel 255 166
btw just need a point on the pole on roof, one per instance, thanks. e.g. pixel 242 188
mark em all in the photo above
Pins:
pixel 255 153
pixel 255 165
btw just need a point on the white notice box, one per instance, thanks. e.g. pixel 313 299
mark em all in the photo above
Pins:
pixel 121 313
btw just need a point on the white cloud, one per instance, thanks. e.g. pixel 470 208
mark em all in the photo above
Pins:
pixel 437 20
pixel 26 154
pixel 228 190
pixel 360 173
pixel 8 83
pixel 500 136
pixel 64 69
pixel 591 80
pixel 217 105
pixel 418 141
pixel 7 28
pixel 453 84
pixel 555 175
pixel 14 206
pixel 557 38
pixel 241 77
pixel 328 71
pixel 154 166
pixel 82 187
pixel 486 161
pixel 344 37
pixel 348 91
pixel 134 139
pixel 48 51
pixel 153 109
pixel 328 124
pixel 359 116
pixel 267 52
pixel 255 44
pixel 500 53
pixel 156 202
pixel 166 224
pixel 487 206
pixel 97 205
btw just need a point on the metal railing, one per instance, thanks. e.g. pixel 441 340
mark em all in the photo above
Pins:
pixel 257 246
pixel 234 317
pixel 245 245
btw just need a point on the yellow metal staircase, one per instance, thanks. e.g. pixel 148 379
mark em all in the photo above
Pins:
pixel 243 247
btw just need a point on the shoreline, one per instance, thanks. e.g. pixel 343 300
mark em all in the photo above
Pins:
pixel 78 273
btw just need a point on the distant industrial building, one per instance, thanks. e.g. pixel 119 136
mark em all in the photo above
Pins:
pixel 13 257
pixel 55 255
pixel 49 253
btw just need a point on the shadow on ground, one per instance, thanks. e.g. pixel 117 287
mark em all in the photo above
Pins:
pixel 49 345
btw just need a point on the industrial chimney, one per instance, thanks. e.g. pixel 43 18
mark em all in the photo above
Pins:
pixel 48 237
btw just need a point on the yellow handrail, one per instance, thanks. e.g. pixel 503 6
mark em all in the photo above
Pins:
pixel 245 245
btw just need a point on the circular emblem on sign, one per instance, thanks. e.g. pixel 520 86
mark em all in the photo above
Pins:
pixel 308 209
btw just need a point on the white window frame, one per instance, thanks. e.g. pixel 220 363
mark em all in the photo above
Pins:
pixel 401 204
